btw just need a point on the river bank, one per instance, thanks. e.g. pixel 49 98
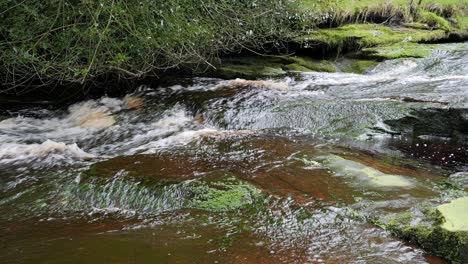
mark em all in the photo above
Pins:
pixel 112 55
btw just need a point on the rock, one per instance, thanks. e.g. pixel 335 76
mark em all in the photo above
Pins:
pixel 399 50
pixel 344 167
pixel 251 67
pixel 360 66
pixel 133 102
pixel 451 122
pixel 241 84
pixel 306 64
pixel 261 67
pixel 357 36
pixel 442 231
pixel 455 215
pixel 96 120
pixel 163 184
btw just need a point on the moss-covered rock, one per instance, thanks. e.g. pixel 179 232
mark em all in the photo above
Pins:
pixel 225 195
pixel 399 50
pixel 251 67
pixel 356 36
pixel 134 184
pixel 306 64
pixel 360 66
pixel 455 215
pixel 443 231
pixel 450 245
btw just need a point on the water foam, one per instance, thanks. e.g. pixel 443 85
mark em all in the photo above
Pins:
pixel 13 151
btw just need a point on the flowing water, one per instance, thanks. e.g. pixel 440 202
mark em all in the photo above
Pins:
pixel 319 152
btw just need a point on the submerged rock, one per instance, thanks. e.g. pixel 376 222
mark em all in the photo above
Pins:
pixel 344 167
pixel 165 184
pixel 133 102
pixel 96 120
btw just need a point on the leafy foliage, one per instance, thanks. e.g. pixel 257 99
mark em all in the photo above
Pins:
pixel 77 41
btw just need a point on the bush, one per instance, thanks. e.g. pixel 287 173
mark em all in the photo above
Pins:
pixel 77 41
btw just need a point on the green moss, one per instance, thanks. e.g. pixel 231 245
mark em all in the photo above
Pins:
pixel 400 50
pixel 433 20
pixel 219 192
pixel 450 245
pixel 222 196
pixel 360 66
pixel 358 36
pixel 462 22
pixel 431 233
pixel 251 67
pixel 308 64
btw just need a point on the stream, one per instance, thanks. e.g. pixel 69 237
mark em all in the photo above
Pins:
pixel 305 160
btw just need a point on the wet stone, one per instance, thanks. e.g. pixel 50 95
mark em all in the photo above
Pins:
pixel 350 168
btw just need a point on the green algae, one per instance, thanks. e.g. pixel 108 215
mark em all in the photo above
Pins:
pixel 455 214
pixel 350 168
pixel 215 192
pixel 225 195
pixel 399 50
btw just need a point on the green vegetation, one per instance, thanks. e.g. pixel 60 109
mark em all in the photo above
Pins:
pixel 433 20
pixel 306 64
pixel 219 192
pixel 399 50
pixel 251 67
pixel 82 43
pixel 225 195
pixel 357 36
pixel 360 66
pixel 432 233
pixel 47 42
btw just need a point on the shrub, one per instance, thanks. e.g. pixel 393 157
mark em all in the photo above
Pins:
pixel 77 41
